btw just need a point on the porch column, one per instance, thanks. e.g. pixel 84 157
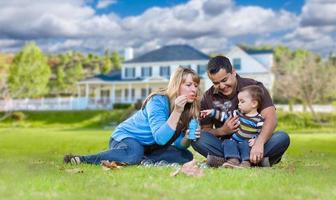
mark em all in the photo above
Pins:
pixel 97 94
pixel 122 98
pixel 86 91
pixel 129 92
pixel 112 95
pixel 147 90
pixel 78 91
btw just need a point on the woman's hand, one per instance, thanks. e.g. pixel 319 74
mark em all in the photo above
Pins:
pixel 180 102
pixel 197 133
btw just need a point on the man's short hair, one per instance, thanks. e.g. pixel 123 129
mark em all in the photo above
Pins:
pixel 256 93
pixel 217 63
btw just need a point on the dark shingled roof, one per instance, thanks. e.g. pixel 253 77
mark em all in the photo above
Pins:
pixel 253 51
pixel 114 75
pixel 171 53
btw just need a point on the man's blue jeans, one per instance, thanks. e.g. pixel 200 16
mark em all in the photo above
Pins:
pixel 235 149
pixel 130 151
pixel 274 148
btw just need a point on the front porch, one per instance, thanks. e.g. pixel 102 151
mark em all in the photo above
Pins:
pixel 106 94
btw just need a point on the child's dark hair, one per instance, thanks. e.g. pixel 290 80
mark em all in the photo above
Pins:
pixel 255 91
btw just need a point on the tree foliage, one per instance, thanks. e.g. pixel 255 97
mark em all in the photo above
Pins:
pixel 116 60
pixel 107 65
pixel 302 76
pixel 29 73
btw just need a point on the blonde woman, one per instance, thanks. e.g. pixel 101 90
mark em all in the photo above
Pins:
pixel 159 131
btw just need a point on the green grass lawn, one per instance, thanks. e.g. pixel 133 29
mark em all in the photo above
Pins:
pixel 32 168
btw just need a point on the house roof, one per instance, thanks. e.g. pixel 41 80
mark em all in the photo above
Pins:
pixel 171 53
pixel 257 51
pixel 114 75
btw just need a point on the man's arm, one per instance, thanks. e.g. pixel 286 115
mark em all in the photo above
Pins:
pixel 257 151
pixel 230 126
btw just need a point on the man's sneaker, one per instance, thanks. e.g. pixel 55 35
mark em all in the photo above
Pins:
pixel 265 162
pixel 215 161
pixel 232 163
pixel 245 164
pixel 71 159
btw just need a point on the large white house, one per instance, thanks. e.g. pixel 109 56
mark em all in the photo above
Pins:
pixel 140 76
pixel 151 71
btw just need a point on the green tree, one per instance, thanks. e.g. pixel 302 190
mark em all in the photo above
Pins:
pixel 303 76
pixel 107 64
pixel 60 79
pixel 116 61
pixel 73 74
pixel 29 73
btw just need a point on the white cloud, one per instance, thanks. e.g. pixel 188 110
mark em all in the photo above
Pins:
pixel 7 42
pixel 319 13
pixel 105 3
pixel 317 27
pixel 209 25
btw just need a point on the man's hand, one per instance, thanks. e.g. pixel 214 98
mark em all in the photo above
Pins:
pixel 251 142
pixel 231 125
pixel 257 152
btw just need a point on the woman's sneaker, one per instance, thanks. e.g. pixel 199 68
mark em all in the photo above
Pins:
pixel 71 159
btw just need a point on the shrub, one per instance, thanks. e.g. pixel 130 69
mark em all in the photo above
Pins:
pixel 18 116
pixel 138 104
pixel 121 105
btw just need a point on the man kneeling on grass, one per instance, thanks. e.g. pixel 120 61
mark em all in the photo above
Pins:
pixel 268 146
pixel 237 148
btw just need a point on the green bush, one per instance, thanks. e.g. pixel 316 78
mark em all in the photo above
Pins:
pixel 121 105
pixel 334 104
pixel 304 122
pixel 18 116
pixel 137 105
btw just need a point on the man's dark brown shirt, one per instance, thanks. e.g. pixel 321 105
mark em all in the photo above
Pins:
pixel 212 98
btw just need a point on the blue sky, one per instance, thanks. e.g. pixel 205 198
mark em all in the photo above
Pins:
pixel 126 8
pixel 212 26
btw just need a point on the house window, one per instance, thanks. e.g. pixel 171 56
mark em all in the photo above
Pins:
pixel 237 63
pixel 133 93
pixel 146 71
pixel 129 72
pixel 165 71
pixel 201 69
pixel 187 66
pixel 143 92
pixel 126 93
pixel 105 94
pixel 117 93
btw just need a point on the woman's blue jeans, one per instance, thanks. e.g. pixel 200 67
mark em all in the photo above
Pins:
pixel 130 151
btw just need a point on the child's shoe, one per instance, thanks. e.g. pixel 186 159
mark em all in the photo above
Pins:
pixel 265 162
pixel 245 164
pixel 232 163
pixel 215 161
